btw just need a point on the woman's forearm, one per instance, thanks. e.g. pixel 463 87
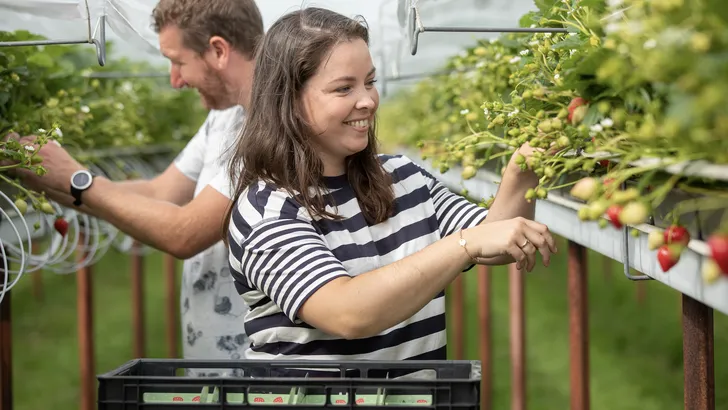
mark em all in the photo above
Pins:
pixel 374 301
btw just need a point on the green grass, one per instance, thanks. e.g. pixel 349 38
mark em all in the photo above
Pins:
pixel 45 334
pixel 635 349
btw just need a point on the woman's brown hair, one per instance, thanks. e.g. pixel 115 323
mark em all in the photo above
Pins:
pixel 275 143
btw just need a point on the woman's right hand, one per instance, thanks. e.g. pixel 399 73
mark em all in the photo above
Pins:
pixel 518 238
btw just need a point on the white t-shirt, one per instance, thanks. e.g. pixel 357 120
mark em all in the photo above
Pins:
pixel 212 310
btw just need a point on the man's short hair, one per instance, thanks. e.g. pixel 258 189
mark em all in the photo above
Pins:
pixel 239 22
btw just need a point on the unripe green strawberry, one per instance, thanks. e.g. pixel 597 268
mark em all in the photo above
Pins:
pixel 629 194
pixel 710 271
pixel 597 209
pixel 563 141
pixel 21 205
pixel 583 213
pixel 633 213
pixel 584 189
pixel 655 239
pixel 468 172
pixel 545 126
pixel 47 208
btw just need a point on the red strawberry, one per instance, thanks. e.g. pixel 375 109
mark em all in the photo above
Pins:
pixel 196 398
pixel 177 398
pixel 677 235
pixel 61 225
pixel 577 110
pixel 718 244
pixel 278 399
pixel 575 102
pixel 613 214
pixel 668 256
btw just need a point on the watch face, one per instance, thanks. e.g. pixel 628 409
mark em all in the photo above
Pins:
pixel 81 180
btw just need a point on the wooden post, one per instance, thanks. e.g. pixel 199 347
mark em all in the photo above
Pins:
pixel 170 273
pixel 456 307
pixel 6 354
pixel 578 327
pixel 518 339
pixel 84 311
pixel 486 326
pixel 137 298
pixel 698 360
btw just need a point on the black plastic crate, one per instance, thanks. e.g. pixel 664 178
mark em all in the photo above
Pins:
pixel 162 384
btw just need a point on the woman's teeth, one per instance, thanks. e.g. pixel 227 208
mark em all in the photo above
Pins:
pixel 358 124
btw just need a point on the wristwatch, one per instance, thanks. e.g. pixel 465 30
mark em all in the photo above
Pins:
pixel 80 181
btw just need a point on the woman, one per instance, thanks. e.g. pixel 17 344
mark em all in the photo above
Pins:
pixel 356 267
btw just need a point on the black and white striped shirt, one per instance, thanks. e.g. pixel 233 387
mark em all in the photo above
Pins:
pixel 279 256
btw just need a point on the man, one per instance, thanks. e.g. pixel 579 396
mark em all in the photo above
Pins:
pixel 210 44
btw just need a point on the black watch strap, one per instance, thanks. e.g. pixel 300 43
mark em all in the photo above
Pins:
pixel 80 181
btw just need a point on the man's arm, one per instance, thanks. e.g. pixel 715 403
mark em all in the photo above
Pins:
pixel 147 211
pixel 182 231
pixel 171 186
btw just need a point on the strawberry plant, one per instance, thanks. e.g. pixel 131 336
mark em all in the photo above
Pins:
pixel 618 105
pixel 47 91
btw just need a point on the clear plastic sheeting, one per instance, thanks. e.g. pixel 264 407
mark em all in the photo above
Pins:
pixel 128 23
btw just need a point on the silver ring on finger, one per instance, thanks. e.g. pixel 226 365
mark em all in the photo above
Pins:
pixel 525 244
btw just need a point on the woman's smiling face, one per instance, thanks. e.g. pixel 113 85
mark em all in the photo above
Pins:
pixel 339 102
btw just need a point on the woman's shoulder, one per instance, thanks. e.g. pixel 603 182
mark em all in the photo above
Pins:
pixel 401 167
pixel 263 200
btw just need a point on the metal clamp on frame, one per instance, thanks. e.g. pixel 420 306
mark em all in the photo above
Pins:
pixel 415 27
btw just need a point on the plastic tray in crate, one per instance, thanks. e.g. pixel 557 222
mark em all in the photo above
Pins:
pixel 151 384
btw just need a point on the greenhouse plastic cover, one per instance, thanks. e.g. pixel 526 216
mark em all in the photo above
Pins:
pixel 128 22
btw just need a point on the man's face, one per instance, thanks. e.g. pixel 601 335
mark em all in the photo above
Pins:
pixel 190 69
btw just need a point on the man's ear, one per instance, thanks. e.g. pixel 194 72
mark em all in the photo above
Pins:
pixel 220 50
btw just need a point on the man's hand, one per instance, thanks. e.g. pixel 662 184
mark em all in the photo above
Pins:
pixel 59 166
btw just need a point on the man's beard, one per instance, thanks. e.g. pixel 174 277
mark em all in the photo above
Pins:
pixel 214 93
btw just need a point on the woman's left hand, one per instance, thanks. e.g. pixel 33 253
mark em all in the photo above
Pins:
pixel 526 150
